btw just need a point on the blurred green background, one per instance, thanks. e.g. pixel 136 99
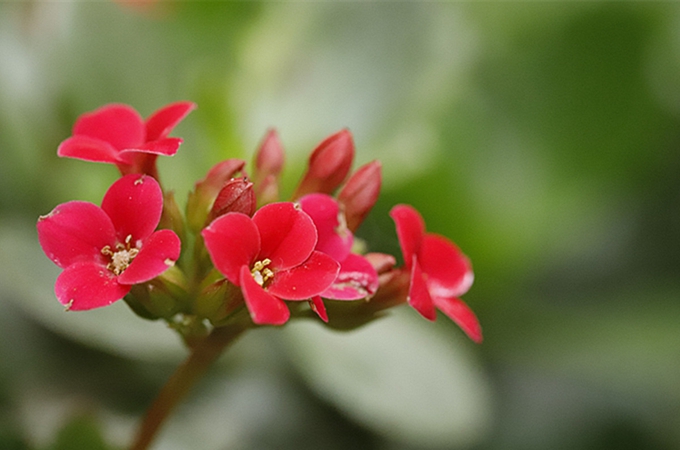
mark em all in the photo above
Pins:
pixel 542 138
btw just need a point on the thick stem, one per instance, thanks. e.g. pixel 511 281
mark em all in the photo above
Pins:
pixel 181 382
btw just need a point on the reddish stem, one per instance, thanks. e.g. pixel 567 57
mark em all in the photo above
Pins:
pixel 181 382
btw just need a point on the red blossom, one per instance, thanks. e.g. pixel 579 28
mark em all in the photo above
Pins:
pixel 117 134
pixel 440 272
pixel 357 278
pixel 104 251
pixel 271 257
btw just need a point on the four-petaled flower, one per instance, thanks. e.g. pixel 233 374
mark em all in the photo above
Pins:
pixel 117 134
pixel 104 251
pixel 271 257
pixel 357 278
pixel 440 272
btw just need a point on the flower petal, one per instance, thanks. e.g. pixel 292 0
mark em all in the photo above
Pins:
pixel 75 231
pixel 418 295
pixel 163 147
pixel 88 149
pixel 381 262
pixel 306 280
pixel 287 234
pixel 160 123
pixel 265 309
pixel 119 125
pixel 232 241
pixel 316 303
pixel 410 230
pixel 335 239
pixel 88 285
pixel 158 253
pixel 460 313
pixel 357 279
pixel 134 203
pixel 449 273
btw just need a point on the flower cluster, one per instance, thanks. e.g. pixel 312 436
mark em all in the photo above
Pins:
pixel 246 255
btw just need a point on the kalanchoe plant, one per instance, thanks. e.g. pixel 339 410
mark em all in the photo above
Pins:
pixel 249 258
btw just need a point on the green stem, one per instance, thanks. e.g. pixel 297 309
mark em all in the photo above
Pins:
pixel 181 382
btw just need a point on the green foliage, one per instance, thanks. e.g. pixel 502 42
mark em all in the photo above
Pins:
pixel 80 433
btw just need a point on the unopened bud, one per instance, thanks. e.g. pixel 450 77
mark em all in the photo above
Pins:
pixel 200 201
pixel 268 164
pixel 329 165
pixel 236 196
pixel 218 301
pixel 160 297
pixel 172 216
pixel 360 193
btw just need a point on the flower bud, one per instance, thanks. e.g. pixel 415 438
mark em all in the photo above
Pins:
pixel 201 199
pixel 329 165
pixel 268 164
pixel 218 301
pixel 160 297
pixel 236 196
pixel 360 193
pixel 172 216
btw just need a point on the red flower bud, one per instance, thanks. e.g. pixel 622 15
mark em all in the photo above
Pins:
pixel 360 193
pixel 329 165
pixel 205 192
pixel 268 164
pixel 236 196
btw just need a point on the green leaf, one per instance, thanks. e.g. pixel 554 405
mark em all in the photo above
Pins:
pixel 81 433
pixel 403 377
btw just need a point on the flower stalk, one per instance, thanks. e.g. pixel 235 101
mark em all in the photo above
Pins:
pixel 178 386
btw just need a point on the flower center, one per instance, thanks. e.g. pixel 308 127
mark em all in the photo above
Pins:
pixel 121 257
pixel 261 274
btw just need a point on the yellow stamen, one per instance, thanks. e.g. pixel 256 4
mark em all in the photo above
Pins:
pixel 122 257
pixel 261 274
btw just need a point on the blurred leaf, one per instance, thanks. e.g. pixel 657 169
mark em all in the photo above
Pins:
pixel 632 348
pixel 403 377
pixel 81 433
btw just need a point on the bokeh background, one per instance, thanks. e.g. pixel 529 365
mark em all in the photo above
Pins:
pixel 542 138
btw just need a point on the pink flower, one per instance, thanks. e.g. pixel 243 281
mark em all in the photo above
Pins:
pixel 271 257
pixel 104 251
pixel 357 278
pixel 440 272
pixel 117 134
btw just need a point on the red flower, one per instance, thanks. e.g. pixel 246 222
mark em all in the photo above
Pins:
pixel 117 134
pixel 440 272
pixel 104 251
pixel 271 257
pixel 357 278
